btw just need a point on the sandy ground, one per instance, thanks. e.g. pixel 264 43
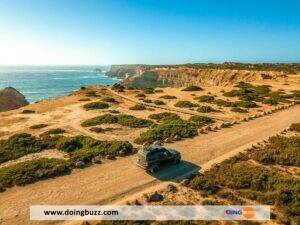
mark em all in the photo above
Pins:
pixel 115 180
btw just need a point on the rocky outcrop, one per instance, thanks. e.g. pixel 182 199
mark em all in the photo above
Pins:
pixel 11 99
pixel 121 71
pixel 143 76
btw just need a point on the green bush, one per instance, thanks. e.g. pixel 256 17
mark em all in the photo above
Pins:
pixel 70 144
pixel 114 111
pixel 201 120
pixel 221 102
pixel 192 88
pixel 172 130
pixel 118 87
pixel 158 102
pixel 148 90
pixel 270 101
pixel 137 107
pixel 53 131
pixel 238 109
pixel 205 98
pixel 109 99
pixel 280 150
pixel 19 145
pixel 96 105
pixel 147 101
pixel 84 100
pixel 122 119
pixel 295 127
pixel 245 104
pixel 140 95
pixel 38 126
pixel 97 129
pixel 185 104
pixel 91 94
pixel 205 109
pixel 165 116
pixel 31 171
pixel 168 97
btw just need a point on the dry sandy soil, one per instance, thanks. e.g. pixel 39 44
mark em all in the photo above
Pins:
pixel 115 181
pixel 118 179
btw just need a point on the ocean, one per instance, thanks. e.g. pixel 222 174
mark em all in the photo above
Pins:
pixel 48 82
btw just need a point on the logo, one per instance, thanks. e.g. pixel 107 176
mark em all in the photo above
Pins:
pixel 247 212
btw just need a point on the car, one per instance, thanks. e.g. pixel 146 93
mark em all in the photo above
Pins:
pixel 152 157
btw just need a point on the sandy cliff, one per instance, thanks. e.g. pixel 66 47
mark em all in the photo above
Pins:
pixel 10 99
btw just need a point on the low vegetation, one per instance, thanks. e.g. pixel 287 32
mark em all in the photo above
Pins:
pixel 148 90
pixel 205 109
pixel 140 95
pixel 137 107
pixel 201 120
pixel 239 110
pixel 38 126
pixel 185 104
pixel 257 182
pixel 192 88
pixel 122 119
pixel 109 99
pixel 205 98
pixel 53 131
pixel 168 97
pixel 19 145
pixel 96 105
pixel 118 87
pixel 31 171
pixel 28 111
pixel 295 127
pixel 159 102
pixel 163 117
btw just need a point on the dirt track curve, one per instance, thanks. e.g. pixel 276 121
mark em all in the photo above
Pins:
pixel 115 179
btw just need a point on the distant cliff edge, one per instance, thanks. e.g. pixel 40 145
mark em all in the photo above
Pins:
pixel 142 76
pixel 10 99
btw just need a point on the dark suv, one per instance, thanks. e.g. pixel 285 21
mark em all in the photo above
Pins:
pixel 152 157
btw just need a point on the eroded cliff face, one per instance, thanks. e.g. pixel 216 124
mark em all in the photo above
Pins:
pixel 11 99
pixel 184 76
pixel 121 71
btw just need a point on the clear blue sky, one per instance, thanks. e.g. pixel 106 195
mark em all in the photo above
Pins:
pixel 152 32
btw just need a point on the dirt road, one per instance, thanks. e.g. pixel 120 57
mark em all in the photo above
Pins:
pixel 115 179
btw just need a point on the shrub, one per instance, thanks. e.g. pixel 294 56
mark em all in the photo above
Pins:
pixel 70 144
pixel 28 111
pixel 205 98
pixel 53 132
pixel 118 87
pixel 221 102
pixel 38 126
pixel 165 116
pixel 148 90
pixel 147 101
pixel 205 109
pixel 185 104
pixel 84 100
pixel 270 101
pixel 109 99
pixel 295 127
pixel 238 109
pixel 172 130
pixel 137 107
pixel 122 119
pixel 201 120
pixel 91 94
pixel 97 129
pixel 131 121
pixel 140 95
pixel 158 102
pixel 168 97
pixel 19 145
pixel 192 88
pixel 106 118
pixel 114 111
pixel 96 105
pixel 31 171
pixel 245 104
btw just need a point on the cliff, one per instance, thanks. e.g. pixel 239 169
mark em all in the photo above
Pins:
pixel 141 76
pixel 10 99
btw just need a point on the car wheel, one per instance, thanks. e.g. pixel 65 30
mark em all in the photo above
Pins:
pixel 154 169
pixel 177 161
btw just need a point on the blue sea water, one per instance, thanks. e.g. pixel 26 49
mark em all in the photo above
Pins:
pixel 46 82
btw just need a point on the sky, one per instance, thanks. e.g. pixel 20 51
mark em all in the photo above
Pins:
pixel 102 32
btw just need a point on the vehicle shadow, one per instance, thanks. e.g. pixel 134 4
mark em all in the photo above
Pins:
pixel 176 172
